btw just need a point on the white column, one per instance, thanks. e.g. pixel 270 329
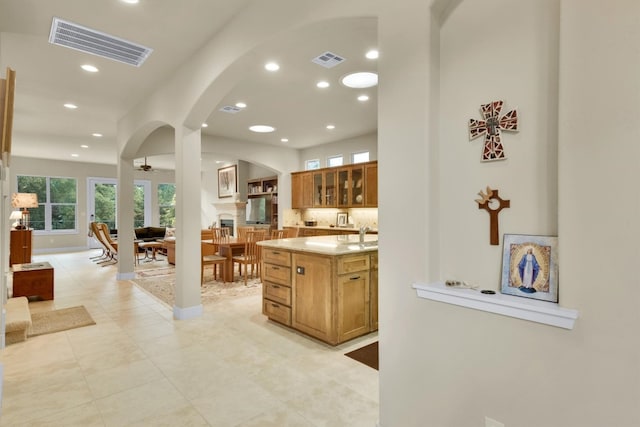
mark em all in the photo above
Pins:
pixel 188 302
pixel 125 219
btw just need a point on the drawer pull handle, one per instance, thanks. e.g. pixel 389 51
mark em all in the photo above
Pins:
pixel 275 286
pixel 275 268
pixel 354 277
pixel 275 305
pixel 275 253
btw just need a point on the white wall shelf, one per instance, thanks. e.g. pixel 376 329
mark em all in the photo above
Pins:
pixel 507 305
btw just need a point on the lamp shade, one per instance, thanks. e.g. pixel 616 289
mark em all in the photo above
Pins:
pixel 24 200
pixel 15 215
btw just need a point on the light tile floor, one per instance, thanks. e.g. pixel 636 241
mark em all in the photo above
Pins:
pixel 138 366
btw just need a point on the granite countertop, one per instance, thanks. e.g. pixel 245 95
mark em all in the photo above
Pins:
pixel 325 245
pixel 327 227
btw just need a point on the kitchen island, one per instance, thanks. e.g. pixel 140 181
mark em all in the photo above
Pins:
pixel 323 286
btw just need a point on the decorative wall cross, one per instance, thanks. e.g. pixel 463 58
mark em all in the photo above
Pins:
pixel 490 127
pixel 484 203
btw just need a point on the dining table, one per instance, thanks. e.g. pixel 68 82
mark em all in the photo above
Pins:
pixel 228 248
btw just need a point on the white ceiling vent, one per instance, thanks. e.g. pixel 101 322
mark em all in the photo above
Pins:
pixel 328 60
pixel 74 36
pixel 231 109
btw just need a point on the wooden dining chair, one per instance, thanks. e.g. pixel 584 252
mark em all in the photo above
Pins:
pixel 278 234
pixel 242 232
pixel 211 259
pixel 251 256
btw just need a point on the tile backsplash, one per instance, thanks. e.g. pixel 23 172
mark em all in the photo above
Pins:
pixel 327 216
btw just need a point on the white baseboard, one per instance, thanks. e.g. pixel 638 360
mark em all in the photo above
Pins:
pixel 126 276
pixel 187 312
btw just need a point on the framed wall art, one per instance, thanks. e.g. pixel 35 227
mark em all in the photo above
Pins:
pixel 227 183
pixel 342 219
pixel 530 266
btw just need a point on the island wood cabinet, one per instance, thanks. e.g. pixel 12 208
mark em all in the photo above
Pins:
pixel 20 247
pixel 327 297
pixel 349 186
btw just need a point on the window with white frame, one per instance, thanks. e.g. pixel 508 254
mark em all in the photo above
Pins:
pixel 57 202
pixel 361 157
pixel 312 164
pixel 335 160
pixel 167 204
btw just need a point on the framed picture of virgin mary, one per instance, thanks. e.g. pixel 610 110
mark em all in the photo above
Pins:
pixel 530 266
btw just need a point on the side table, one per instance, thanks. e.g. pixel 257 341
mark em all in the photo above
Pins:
pixel 35 279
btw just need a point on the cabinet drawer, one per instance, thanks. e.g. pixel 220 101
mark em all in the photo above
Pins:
pixel 350 264
pixel 277 293
pixel 276 311
pixel 276 256
pixel 277 274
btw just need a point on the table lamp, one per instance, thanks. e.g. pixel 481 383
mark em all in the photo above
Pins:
pixel 24 201
pixel 17 217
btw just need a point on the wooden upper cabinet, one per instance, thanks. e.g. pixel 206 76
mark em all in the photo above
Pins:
pixel 371 185
pixel 301 190
pixel 349 186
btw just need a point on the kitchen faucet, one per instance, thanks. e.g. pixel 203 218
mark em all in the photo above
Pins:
pixel 363 231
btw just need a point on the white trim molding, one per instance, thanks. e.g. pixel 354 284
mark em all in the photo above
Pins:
pixel 187 312
pixel 544 312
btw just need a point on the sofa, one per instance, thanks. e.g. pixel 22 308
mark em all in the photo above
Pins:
pixel 150 234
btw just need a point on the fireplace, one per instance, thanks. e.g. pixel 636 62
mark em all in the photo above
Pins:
pixel 227 223
pixel 232 213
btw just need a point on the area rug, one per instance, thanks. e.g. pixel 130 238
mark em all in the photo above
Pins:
pixel 161 284
pixel 48 322
pixel 367 355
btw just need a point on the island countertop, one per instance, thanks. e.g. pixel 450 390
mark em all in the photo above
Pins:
pixel 326 245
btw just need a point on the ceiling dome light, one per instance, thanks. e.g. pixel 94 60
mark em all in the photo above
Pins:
pixel 89 68
pixel 271 66
pixel 261 128
pixel 363 98
pixel 70 106
pixel 130 1
pixel 241 105
pixel 360 80
pixel 331 127
pixel 284 139
pixel 322 84
pixel 97 135
pixel 372 54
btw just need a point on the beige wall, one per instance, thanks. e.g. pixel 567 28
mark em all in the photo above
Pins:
pixel 562 63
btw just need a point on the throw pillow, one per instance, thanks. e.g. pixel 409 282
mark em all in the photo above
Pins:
pixel 170 232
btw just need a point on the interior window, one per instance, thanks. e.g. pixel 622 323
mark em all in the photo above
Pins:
pixel 312 164
pixel 335 160
pixel 360 157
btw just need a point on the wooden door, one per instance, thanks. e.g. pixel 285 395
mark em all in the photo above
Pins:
pixel 312 296
pixel 353 305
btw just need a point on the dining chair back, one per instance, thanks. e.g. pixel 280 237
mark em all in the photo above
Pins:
pixel 251 256
pixel 242 232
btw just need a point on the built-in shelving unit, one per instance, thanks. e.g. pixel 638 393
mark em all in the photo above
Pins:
pixel 266 188
pixel 522 308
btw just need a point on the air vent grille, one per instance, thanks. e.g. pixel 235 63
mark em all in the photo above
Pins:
pixel 231 109
pixel 68 34
pixel 328 60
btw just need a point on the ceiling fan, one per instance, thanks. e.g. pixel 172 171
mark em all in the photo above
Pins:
pixel 145 167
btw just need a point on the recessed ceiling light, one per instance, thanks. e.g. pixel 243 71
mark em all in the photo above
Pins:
pixel 331 127
pixel 372 54
pixel 204 125
pixel 89 68
pixel 70 106
pixel 322 84
pixel 130 1
pixel 84 146
pixel 284 139
pixel 360 80
pixel 241 105
pixel 363 98
pixel 271 66
pixel 261 128
pixel 97 135
pixel 75 155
